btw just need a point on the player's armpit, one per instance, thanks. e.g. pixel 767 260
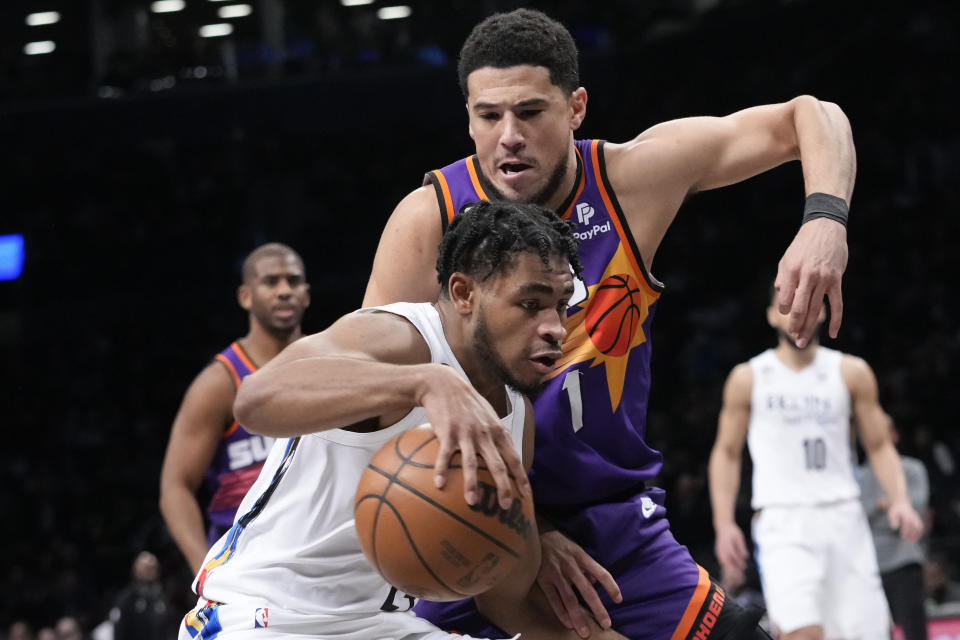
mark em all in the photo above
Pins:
pixel 404 267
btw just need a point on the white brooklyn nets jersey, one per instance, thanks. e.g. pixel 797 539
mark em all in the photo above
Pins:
pixel 293 547
pixel 799 432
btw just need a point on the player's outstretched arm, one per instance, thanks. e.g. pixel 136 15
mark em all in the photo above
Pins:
pixel 404 267
pixel 875 436
pixel 205 412
pixel 724 473
pixel 373 368
pixel 653 173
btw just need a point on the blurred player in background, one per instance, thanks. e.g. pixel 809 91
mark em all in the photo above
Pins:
pixel 519 74
pixel 817 563
pixel 207 445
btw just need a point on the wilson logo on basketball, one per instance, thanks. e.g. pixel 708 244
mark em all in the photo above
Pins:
pixel 613 314
pixel 512 517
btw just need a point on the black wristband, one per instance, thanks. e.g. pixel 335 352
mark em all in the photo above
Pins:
pixel 824 205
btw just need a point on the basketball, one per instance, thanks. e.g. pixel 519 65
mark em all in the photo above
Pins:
pixel 429 542
pixel 613 315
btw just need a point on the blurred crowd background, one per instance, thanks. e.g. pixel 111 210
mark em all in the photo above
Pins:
pixel 142 162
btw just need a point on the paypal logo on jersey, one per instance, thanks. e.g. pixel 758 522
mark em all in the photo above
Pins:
pixel 584 212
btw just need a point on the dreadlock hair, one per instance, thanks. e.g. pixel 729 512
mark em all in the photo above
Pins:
pixel 523 36
pixel 484 238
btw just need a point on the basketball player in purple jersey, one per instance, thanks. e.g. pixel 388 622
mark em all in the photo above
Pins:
pixel 518 73
pixel 207 446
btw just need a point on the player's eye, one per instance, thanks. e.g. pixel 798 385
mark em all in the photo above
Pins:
pixel 527 114
pixel 530 305
pixel 490 115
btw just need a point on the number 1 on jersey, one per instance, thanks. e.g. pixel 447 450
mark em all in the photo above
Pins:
pixel 571 383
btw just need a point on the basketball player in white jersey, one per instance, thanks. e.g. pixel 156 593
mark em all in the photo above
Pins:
pixel 292 563
pixel 817 565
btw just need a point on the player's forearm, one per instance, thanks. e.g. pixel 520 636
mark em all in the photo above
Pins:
pixel 315 394
pixel 724 484
pixel 886 466
pixel 183 517
pixel 826 149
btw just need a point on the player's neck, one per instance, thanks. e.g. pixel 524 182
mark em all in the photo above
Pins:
pixel 794 358
pixel 263 344
pixel 564 191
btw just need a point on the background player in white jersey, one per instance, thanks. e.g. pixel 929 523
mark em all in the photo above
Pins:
pixel 814 549
pixel 292 563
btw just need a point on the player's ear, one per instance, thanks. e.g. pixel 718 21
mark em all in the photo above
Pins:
pixel 245 297
pixel 462 290
pixel 470 123
pixel 578 107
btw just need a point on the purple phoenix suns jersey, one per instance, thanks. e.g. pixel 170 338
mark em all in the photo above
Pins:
pixel 591 459
pixel 238 458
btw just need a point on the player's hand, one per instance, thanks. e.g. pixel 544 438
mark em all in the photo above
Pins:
pixel 464 421
pixel 731 550
pixel 812 268
pixel 903 517
pixel 565 565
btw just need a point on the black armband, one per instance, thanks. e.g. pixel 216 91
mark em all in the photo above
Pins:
pixel 823 205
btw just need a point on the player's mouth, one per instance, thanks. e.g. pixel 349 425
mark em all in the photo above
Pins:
pixel 284 311
pixel 514 170
pixel 545 362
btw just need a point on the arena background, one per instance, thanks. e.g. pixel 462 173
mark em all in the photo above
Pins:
pixel 141 163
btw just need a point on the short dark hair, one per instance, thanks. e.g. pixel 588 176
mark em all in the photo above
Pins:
pixel 269 250
pixel 484 238
pixel 523 36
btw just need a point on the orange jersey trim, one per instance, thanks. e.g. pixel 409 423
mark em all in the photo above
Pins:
pixel 475 179
pixel 233 427
pixel 624 239
pixel 693 607
pixel 243 356
pixel 229 365
pixel 445 188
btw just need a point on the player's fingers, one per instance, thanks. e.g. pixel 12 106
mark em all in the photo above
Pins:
pixel 740 549
pixel 592 600
pixel 468 460
pixel 815 312
pixel 597 573
pixel 571 604
pixel 442 463
pixel 835 296
pixel 513 460
pixel 786 286
pixel 799 310
pixel 553 598
pixel 500 461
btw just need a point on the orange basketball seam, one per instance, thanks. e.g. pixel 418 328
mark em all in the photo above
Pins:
pixel 442 508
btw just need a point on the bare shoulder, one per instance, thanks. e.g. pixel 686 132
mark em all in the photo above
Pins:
pixel 405 262
pixel 215 383
pixel 739 385
pixel 856 371
pixel 420 207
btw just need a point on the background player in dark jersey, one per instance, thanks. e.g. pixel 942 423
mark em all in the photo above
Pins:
pixel 518 73
pixel 207 446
